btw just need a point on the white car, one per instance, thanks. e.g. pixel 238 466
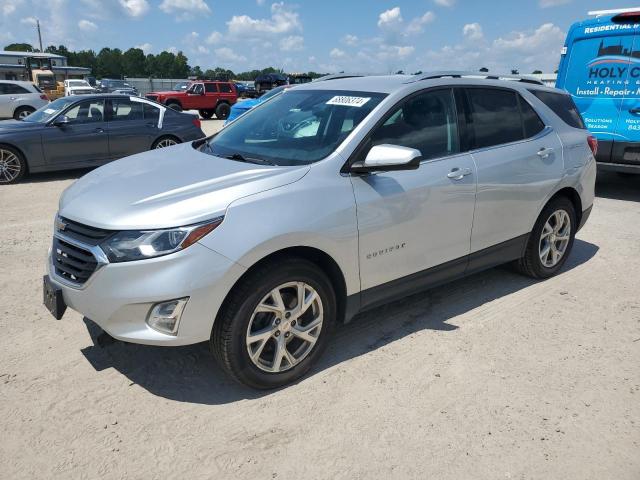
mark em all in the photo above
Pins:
pixel 20 99
pixel 77 87
pixel 327 200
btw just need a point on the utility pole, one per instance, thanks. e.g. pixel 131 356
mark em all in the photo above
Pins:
pixel 39 35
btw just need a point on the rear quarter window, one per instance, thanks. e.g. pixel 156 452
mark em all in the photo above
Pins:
pixel 563 106
pixel 225 88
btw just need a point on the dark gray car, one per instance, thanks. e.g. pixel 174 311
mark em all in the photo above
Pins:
pixel 87 131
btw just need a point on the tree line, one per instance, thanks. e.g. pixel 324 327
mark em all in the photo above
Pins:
pixel 115 63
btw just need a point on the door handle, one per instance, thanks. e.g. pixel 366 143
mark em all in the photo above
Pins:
pixel 544 152
pixel 458 173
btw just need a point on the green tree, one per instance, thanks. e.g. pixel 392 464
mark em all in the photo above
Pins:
pixel 20 47
pixel 537 72
pixel 484 69
pixel 197 72
pixel 109 63
pixel 133 63
pixel 180 67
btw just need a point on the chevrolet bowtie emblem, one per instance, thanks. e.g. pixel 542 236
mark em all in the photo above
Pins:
pixel 60 225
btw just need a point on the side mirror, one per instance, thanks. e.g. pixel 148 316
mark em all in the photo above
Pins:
pixel 388 158
pixel 61 121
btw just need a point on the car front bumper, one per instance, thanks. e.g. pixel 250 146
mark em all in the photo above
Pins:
pixel 119 296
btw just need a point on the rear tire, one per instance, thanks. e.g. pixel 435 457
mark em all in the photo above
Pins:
pixel 222 111
pixel 206 114
pixel 23 112
pixel 175 106
pixel 279 355
pixel 164 142
pixel 551 240
pixel 13 166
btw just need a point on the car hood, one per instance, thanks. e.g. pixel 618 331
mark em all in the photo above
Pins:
pixel 169 187
pixel 10 126
pixel 245 105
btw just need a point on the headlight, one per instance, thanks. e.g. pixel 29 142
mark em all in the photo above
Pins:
pixel 131 245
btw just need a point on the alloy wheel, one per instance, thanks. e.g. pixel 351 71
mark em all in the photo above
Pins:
pixel 555 237
pixel 23 114
pixel 10 166
pixel 166 142
pixel 284 327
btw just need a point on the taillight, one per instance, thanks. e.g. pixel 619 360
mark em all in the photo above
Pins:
pixel 44 97
pixel 593 144
pixel 197 122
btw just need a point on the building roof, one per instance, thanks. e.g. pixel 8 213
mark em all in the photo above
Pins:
pixel 29 54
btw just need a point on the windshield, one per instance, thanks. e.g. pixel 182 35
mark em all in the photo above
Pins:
pixel 297 127
pixel 273 92
pixel 46 113
pixel 78 83
pixel 118 84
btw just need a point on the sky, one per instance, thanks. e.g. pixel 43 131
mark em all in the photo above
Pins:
pixel 363 36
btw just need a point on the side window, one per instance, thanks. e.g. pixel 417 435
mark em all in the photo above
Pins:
pixel 225 88
pixel 426 122
pixel 89 111
pixel 3 88
pixel 562 105
pixel 495 117
pixel 197 89
pixel 151 112
pixel 530 119
pixel 210 88
pixel 124 109
pixel 16 89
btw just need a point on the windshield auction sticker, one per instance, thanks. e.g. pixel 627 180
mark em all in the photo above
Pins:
pixel 346 101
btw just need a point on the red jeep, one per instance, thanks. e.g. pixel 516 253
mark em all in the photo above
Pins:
pixel 208 97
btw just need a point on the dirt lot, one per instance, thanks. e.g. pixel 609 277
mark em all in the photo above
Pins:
pixel 491 377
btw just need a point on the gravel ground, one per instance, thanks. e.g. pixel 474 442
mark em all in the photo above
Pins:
pixel 494 376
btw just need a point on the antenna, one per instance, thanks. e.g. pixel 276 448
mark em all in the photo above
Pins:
pixel 39 35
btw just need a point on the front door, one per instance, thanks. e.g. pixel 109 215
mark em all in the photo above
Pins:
pixel 83 140
pixel 410 221
pixel 194 97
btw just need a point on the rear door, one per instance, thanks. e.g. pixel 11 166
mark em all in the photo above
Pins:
pixel 211 95
pixel 83 141
pixel 5 101
pixel 129 131
pixel 519 161
pixel 228 92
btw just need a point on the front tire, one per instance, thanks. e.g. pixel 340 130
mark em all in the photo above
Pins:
pixel 175 106
pixel 222 111
pixel 551 240
pixel 12 165
pixel 23 112
pixel 275 324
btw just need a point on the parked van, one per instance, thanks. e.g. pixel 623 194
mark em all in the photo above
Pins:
pixel 600 68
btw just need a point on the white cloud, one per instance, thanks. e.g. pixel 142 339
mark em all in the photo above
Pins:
pixel 390 19
pixel 29 21
pixel 417 24
pixel 445 3
pixel 283 21
pixel 552 3
pixel 145 47
pixel 185 9
pixel 226 54
pixel 9 6
pixel 135 8
pixel 87 26
pixel 337 53
pixel 395 51
pixel 214 37
pixel 350 40
pixel 473 31
pixel 292 43
pixel 544 36
pixel 260 2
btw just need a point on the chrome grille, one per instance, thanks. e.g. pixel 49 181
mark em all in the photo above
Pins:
pixel 82 233
pixel 72 263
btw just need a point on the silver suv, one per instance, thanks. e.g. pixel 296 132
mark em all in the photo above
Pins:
pixel 19 99
pixel 327 200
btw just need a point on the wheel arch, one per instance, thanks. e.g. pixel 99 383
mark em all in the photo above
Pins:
pixel 573 195
pixel 171 100
pixel 19 150
pixel 165 135
pixel 321 259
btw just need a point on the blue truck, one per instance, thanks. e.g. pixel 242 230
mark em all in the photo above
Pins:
pixel 600 68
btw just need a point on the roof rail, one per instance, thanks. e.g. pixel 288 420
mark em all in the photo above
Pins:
pixel 600 13
pixel 479 75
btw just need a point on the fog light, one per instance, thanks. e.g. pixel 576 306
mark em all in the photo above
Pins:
pixel 165 316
